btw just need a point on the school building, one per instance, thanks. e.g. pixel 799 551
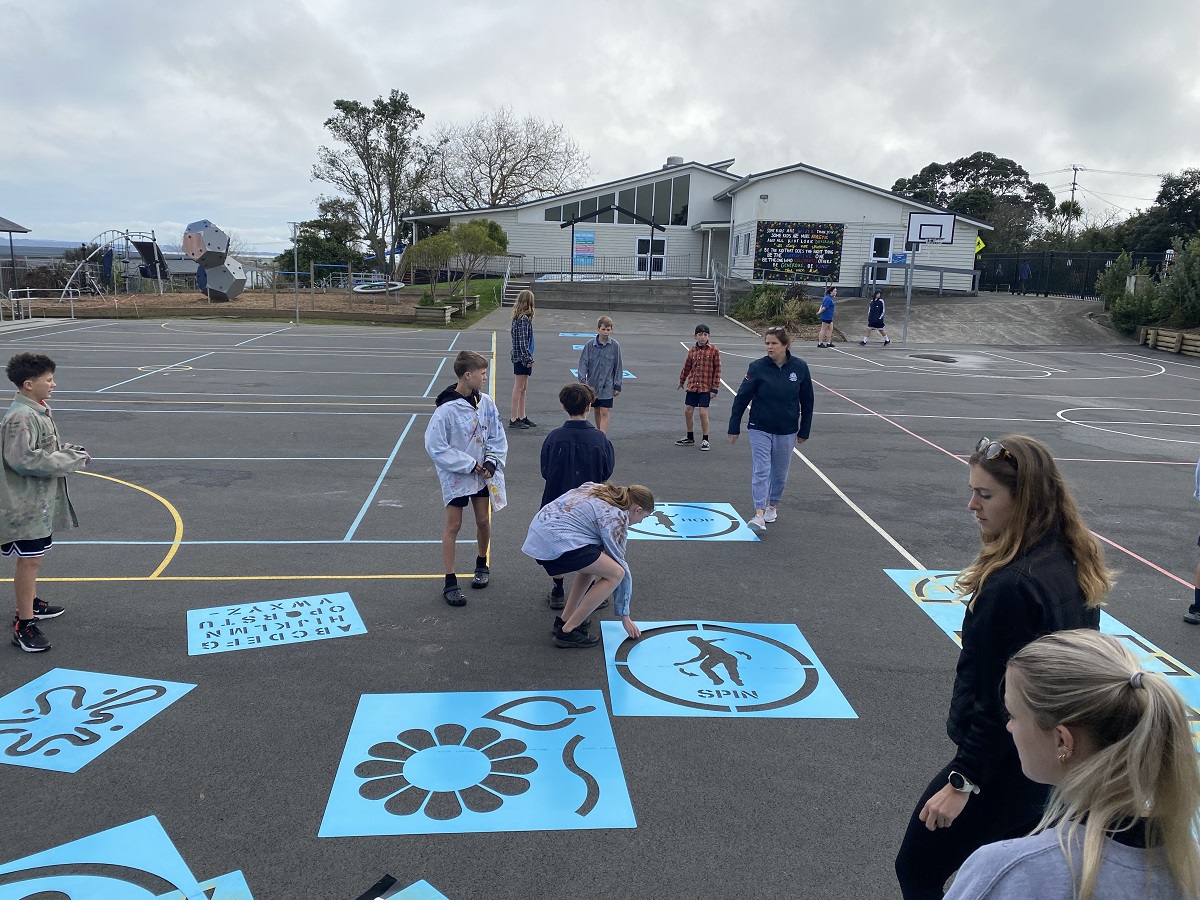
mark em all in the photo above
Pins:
pixel 698 220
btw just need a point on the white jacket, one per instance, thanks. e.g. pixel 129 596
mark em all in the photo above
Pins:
pixel 459 437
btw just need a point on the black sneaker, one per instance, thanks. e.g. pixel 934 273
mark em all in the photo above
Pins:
pixel 1192 616
pixel 558 624
pixel 516 424
pixel 481 577
pixel 30 638
pixel 685 442
pixel 574 639
pixel 556 600
pixel 454 596
pixel 44 610
pixel 529 424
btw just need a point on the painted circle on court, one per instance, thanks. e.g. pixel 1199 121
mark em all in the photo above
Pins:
pixel 707 666
pixel 703 522
pixel 1108 427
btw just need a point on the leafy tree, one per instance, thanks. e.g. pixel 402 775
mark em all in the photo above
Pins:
pixel 478 241
pixel 329 239
pixel 988 187
pixel 498 160
pixel 382 168
pixel 432 254
pixel 1179 292
pixel 1179 198
pixel 80 253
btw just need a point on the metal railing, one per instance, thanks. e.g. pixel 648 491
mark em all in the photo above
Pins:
pixel 726 284
pixel 24 310
pixel 611 268
pixel 1057 273
pixel 868 278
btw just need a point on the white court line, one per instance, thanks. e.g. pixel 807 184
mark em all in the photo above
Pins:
pixel 268 334
pixel 371 496
pixel 155 372
pixel 1021 362
pixel 251 394
pixel 43 335
pixel 862 358
pixel 133 409
pixel 239 459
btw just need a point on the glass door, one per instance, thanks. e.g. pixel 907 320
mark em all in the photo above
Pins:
pixel 881 252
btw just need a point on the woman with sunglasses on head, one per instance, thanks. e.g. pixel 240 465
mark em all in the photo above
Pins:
pixel 779 391
pixel 1039 571
pixel 1116 745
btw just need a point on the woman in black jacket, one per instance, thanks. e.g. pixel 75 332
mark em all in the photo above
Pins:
pixel 1039 571
pixel 778 389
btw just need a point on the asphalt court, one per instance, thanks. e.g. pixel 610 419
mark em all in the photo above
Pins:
pixel 271 478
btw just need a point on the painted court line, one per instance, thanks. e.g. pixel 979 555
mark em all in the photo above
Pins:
pixel 261 336
pixel 253 543
pixel 41 336
pixel 371 496
pixel 433 380
pixel 155 372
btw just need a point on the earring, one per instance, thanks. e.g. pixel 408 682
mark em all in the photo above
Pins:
pixel 1063 756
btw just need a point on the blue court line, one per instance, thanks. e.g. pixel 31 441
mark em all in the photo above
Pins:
pixel 457 335
pixel 367 504
pixel 257 337
pixel 433 380
pixel 155 372
pixel 43 335
pixel 245 543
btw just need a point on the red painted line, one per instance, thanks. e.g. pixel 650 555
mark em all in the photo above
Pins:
pixel 963 460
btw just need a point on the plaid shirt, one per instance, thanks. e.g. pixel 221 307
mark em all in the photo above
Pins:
pixel 522 340
pixel 704 364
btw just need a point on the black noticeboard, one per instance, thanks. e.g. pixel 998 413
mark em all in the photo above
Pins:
pixel 785 250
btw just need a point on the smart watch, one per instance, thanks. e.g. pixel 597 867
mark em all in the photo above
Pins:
pixel 960 783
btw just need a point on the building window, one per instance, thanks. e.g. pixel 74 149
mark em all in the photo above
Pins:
pixel 607 200
pixel 656 249
pixel 644 205
pixel 662 202
pixel 587 206
pixel 626 202
pixel 570 211
pixel 679 199
pixel 554 214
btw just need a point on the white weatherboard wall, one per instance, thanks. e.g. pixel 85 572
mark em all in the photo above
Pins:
pixel 806 197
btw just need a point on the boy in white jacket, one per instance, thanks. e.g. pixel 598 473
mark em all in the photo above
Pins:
pixel 466 441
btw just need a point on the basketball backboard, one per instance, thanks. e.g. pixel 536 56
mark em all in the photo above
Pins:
pixel 935 228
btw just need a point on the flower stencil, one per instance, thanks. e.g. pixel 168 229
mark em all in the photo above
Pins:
pixel 441 772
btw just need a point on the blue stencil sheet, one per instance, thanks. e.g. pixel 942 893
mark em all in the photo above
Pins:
pixel 692 522
pixel 64 719
pixel 723 669
pixel 578 347
pixel 584 334
pixel 139 861
pixel 230 886
pixel 624 374
pixel 933 591
pixel 421 890
pixel 478 762
pixel 272 623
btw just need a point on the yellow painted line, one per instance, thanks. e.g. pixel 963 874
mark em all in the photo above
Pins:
pixel 467 575
pixel 174 515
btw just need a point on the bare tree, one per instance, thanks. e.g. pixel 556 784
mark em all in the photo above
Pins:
pixel 383 166
pixel 498 159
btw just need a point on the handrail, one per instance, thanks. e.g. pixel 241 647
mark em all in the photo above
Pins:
pixel 504 286
pixel 69 293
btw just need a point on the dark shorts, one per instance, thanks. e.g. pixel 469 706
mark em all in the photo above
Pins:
pixel 35 547
pixel 828 321
pixel 461 502
pixel 697 398
pixel 519 369
pixel 572 560
pixel 603 404
pixel 877 324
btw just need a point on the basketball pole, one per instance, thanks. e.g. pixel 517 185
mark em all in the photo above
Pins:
pixel 908 280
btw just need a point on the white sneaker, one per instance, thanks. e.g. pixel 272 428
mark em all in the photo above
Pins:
pixel 758 523
pixel 704 445
pixel 771 515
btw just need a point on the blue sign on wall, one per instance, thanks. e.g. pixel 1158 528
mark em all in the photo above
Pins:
pixel 468 762
pixel 692 522
pixel 64 719
pixel 723 669
pixel 271 623
pixel 136 858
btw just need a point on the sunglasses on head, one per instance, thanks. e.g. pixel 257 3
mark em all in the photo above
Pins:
pixel 993 449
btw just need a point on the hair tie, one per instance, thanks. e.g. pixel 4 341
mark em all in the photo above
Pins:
pixel 1135 680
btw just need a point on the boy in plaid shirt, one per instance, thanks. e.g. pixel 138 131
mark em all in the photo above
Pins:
pixel 702 374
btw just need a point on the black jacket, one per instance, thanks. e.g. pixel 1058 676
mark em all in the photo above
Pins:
pixel 1038 593
pixel 575 453
pixel 780 398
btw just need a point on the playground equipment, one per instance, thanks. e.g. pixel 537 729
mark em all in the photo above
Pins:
pixel 378 287
pixel 208 245
pixel 110 247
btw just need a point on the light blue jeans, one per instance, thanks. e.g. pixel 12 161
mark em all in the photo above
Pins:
pixel 771 456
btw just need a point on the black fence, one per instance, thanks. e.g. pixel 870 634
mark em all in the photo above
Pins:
pixel 1055 273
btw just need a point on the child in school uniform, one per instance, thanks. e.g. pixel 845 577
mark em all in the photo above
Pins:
pixel 600 369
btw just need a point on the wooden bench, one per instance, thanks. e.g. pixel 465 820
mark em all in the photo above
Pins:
pixel 1169 341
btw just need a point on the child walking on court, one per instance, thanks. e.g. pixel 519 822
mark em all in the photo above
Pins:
pixel 826 314
pixel 702 373
pixel 600 369
pixel 34 503
pixel 875 320
pixel 466 441
pixel 576 453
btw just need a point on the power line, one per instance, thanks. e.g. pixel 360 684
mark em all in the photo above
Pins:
pixel 1102 200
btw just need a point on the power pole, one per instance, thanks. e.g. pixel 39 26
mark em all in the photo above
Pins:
pixel 1075 170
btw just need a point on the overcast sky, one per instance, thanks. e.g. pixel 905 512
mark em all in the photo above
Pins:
pixel 144 114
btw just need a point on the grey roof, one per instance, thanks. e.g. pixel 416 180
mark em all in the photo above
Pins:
pixel 10 226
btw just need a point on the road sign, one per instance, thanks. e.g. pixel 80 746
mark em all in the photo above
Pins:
pixel 979 244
